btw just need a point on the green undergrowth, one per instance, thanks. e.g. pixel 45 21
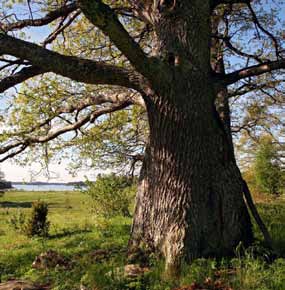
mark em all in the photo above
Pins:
pixel 77 235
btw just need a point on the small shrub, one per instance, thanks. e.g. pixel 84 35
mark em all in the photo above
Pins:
pixel 38 224
pixel 112 195
pixel 17 221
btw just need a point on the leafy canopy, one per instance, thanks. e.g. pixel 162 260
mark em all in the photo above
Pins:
pixel 102 122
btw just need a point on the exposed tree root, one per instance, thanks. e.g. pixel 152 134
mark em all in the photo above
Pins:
pixel 256 215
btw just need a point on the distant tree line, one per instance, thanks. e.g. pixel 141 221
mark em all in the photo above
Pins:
pixel 3 183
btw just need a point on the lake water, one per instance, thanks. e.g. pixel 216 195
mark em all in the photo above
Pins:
pixel 43 187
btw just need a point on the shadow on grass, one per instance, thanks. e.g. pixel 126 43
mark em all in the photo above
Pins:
pixel 20 204
pixel 70 232
pixel 13 204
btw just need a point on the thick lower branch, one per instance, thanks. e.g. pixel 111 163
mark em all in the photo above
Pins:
pixel 75 68
pixel 19 77
pixel 103 17
pixel 252 71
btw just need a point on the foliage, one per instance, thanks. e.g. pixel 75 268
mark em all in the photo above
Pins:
pixel 18 221
pixel 268 171
pixel 112 194
pixel 110 141
pixel 114 142
pixel 37 224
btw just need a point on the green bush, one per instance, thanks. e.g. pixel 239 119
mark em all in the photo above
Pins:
pixel 112 195
pixel 37 224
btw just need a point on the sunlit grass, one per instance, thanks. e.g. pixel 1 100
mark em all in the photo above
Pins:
pixel 76 234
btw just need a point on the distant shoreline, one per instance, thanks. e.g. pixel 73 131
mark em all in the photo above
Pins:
pixel 80 183
pixel 47 186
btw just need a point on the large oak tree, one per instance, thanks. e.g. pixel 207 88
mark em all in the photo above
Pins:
pixel 170 58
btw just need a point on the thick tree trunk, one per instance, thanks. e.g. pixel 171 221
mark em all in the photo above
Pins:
pixel 190 202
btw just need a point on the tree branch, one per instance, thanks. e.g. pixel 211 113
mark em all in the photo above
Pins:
pixel 227 41
pixel 60 29
pixel 48 18
pixel 131 98
pixel 269 34
pixel 20 146
pixel 75 68
pixel 252 71
pixel 19 77
pixel 103 17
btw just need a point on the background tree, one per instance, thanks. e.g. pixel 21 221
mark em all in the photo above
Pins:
pixel 155 55
pixel 267 167
pixel 111 194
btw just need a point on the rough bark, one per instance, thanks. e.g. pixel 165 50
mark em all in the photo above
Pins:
pixel 189 203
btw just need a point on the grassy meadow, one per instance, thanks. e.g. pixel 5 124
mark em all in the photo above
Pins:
pixel 78 235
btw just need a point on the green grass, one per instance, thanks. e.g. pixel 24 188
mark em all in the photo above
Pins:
pixel 75 233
